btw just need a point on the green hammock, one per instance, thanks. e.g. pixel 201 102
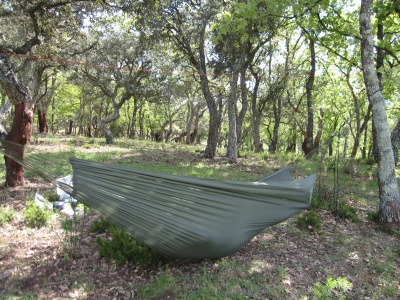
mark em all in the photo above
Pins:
pixel 186 217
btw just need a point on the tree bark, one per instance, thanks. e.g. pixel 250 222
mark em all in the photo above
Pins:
pixel 189 120
pixel 215 119
pixel 318 136
pixel 232 133
pixel 245 104
pixel 21 130
pixel 42 121
pixel 256 116
pixel 309 140
pixel 389 205
pixel 20 133
pixel 395 141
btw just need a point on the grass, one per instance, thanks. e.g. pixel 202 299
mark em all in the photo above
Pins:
pixel 6 215
pixel 283 262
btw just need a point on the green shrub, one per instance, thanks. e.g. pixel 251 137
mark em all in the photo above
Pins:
pixel 351 168
pixel 99 226
pixel 373 216
pixel 71 235
pixel 370 161
pixel 323 197
pixel 333 289
pixel 331 165
pixel 348 212
pixel 52 196
pixel 318 203
pixel 36 216
pixel 310 221
pixel 6 215
pixel 123 248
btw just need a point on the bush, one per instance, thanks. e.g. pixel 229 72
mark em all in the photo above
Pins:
pixel 348 212
pixel 123 248
pixel 373 216
pixel 351 168
pixel 52 196
pixel 332 289
pixel 36 216
pixel 323 197
pixel 6 215
pixel 310 221
pixel 318 203
pixel 99 226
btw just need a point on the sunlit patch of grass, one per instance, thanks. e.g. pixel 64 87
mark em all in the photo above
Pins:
pixel 259 266
pixel 164 284
pixel 52 164
pixel 224 279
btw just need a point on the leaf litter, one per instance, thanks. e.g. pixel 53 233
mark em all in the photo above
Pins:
pixel 283 261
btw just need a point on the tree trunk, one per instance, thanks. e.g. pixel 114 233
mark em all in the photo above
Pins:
pixel 389 205
pixel 42 121
pixel 362 129
pixel 20 133
pixel 291 145
pixel 136 107
pixel 232 133
pixel 318 136
pixel 309 140
pixel 189 120
pixel 21 130
pixel 245 105
pixel 214 122
pixel 215 114
pixel 107 132
pixel 256 116
pixel 194 134
pixel 71 124
pixel 141 122
pixel 277 107
pixel 395 140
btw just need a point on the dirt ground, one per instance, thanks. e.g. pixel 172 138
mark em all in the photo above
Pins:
pixel 36 263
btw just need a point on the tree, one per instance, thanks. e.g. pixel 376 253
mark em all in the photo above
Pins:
pixel 126 52
pixel 389 205
pixel 240 32
pixel 29 25
pixel 185 24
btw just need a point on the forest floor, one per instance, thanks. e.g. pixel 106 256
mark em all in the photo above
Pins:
pixel 354 260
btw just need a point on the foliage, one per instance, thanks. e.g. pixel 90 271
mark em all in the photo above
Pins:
pixel 319 203
pixel 333 289
pixel 123 248
pixel 99 226
pixel 164 283
pixel 373 216
pixel 346 211
pixel 6 215
pixel 35 216
pixel 71 239
pixel 309 221
pixel 52 196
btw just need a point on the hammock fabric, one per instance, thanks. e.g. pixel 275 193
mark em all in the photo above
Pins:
pixel 186 217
